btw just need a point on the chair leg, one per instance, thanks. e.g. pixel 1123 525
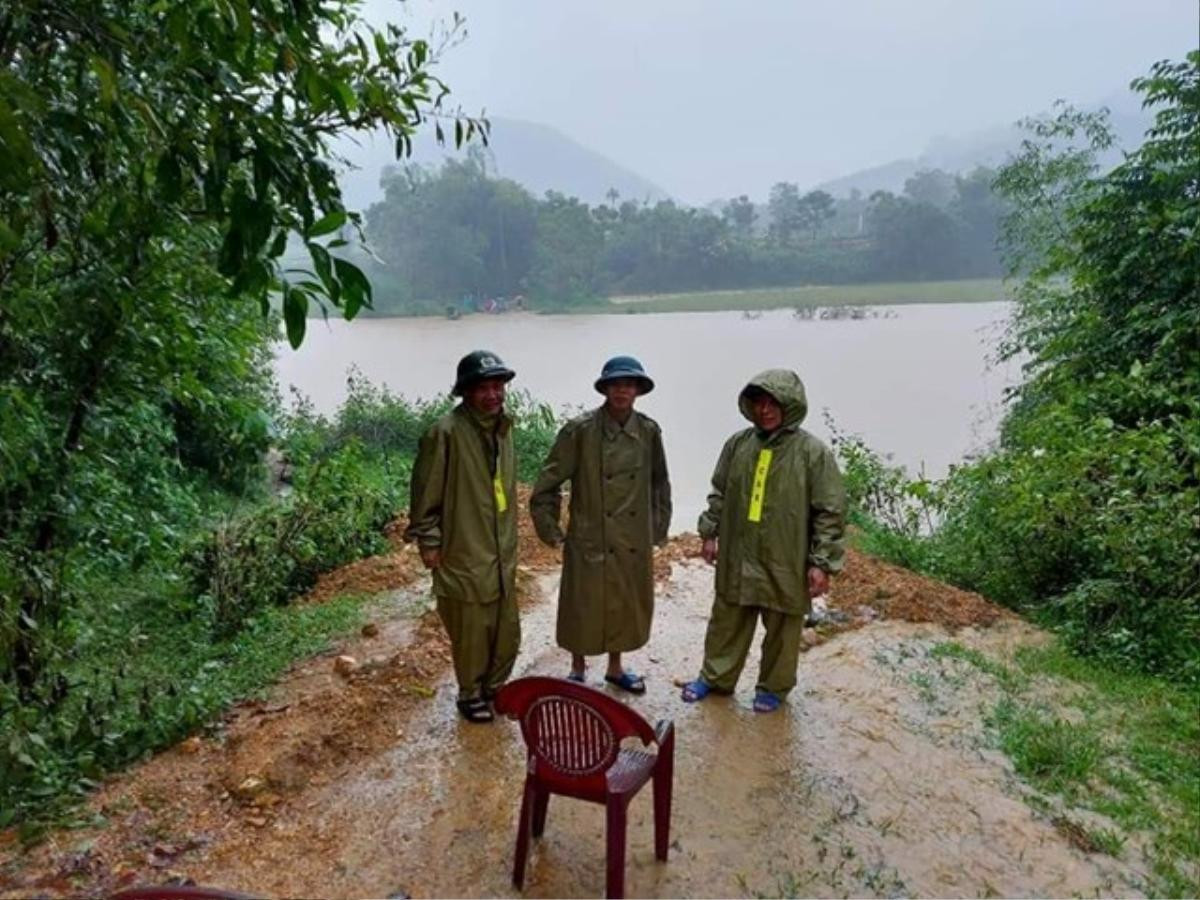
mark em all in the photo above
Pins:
pixel 664 775
pixel 541 800
pixel 615 852
pixel 523 822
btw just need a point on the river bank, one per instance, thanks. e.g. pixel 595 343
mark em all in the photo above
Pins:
pixel 805 296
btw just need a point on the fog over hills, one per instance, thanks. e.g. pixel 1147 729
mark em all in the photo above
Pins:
pixel 542 158
pixel 535 155
pixel 989 147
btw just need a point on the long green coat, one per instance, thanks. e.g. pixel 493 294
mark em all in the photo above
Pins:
pixel 777 506
pixel 463 501
pixel 620 507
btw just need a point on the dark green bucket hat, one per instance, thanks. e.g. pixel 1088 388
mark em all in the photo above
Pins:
pixel 478 365
pixel 624 367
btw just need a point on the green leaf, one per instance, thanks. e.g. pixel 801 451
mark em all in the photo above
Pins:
pixel 169 177
pixel 279 244
pixel 295 315
pixel 356 288
pixel 324 266
pixel 9 239
pixel 107 78
pixel 331 222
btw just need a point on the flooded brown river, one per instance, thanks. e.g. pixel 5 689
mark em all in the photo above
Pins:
pixel 915 380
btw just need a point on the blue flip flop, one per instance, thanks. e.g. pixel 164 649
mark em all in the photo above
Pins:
pixel 628 681
pixel 766 702
pixel 577 677
pixel 695 691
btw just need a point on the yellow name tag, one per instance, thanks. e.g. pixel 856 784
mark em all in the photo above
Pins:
pixel 501 500
pixel 759 489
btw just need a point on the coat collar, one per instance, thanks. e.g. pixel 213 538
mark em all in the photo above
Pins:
pixel 612 429
pixel 503 421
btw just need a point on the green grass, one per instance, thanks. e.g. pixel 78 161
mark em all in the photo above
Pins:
pixel 1007 677
pixel 161 680
pixel 1124 745
pixel 979 290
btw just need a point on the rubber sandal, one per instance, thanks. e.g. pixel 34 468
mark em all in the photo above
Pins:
pixel 577 677
pixel 476 710
pixel 694 691
pixel 766 702
pixel 627 681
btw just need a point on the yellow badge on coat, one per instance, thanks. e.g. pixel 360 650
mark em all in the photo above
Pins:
pixel 501 499
pixel 758 490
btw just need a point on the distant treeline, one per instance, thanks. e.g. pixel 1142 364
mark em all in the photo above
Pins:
pixel 458 236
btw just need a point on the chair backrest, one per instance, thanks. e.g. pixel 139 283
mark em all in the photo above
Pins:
pixel 574 730
pixel 179 892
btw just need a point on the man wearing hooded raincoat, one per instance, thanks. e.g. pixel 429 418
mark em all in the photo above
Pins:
pixel 777 509
pixel 620 507
pixel 462 515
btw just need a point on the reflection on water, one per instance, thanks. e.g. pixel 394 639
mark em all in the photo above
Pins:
pixel 917 385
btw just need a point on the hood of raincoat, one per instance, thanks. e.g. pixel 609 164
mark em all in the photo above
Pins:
pixel 787 389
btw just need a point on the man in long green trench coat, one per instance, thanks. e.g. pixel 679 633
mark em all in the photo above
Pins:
pixel 620 507
pixel 463 517
pixel 777 511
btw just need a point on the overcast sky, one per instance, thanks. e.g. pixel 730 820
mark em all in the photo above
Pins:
pixel 712 98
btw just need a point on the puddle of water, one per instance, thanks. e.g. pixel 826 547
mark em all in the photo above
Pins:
pixel 862 785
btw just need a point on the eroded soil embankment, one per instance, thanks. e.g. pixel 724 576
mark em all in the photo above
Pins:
pixel 873 780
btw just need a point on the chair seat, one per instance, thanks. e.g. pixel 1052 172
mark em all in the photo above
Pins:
pixel 631 770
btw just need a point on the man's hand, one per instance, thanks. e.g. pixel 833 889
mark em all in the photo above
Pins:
pixel 818 581
pixel 708 551
pixel 431 556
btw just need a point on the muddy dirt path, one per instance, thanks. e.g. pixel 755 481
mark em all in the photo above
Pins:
pixel 873 780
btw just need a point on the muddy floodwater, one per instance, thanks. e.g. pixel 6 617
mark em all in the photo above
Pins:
pixel 915 381
pixel 859 786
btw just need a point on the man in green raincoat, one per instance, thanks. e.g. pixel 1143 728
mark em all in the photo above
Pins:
pixel 620 507
pixel 777 510
pixel 463 518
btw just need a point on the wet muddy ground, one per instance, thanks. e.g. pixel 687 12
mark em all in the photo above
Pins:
pixel 875 779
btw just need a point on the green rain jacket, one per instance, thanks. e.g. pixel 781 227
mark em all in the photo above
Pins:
pixel 620 507
pixel 777 506
pixel 464 502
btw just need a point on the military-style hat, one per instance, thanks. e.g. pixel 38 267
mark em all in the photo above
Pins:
pixel 478 365
pixel 624 367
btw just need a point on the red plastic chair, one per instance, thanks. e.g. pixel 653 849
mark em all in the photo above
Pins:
pixel 178 892
pixel 573 734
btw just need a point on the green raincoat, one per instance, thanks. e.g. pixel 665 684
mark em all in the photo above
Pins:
pixel 463 502
pixel 620 507
pixel 769 539
pixel 777 507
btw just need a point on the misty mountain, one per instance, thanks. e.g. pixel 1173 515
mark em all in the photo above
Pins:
pixel 988 147
pixel 534 155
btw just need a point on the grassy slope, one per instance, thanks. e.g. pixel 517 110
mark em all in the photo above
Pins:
pixel 1124 746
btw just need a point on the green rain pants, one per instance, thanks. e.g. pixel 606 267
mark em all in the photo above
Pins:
pixel 484 639
pixel 730 631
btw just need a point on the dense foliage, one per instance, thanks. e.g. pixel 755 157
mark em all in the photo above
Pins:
pixel 155 159
pixel 458 236
pixel 157 650
pixel 1088 511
